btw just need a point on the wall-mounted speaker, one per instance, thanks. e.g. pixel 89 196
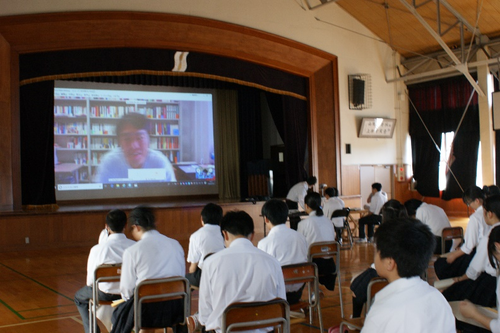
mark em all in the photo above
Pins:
pixel 360 97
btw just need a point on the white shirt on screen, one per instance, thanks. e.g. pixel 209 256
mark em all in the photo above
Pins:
pixel 434 216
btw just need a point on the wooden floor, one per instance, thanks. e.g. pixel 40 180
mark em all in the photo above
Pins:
pixel 37 289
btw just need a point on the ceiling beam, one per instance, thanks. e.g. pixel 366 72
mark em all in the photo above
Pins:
pixel 444 71
pixel 461 67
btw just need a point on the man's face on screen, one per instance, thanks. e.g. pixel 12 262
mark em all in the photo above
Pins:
pixel 135 144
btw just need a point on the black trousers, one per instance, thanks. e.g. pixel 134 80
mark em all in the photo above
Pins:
pixel 370 221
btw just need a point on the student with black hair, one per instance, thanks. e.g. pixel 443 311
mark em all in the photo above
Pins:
pixel 408 303
pixel 392 209
pixel 433 216
pixel 295 198
pixel 478 284
pixel 456 262
pixel 109 251
pixel 205 241
pixel 376 200
pixel 154 256
pixel 283 243
pixel 331 204
pixel 318 228
pixel 296 195
pixel 468 309
pixel 239 273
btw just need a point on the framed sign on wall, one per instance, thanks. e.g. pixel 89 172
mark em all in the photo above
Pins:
pixel 377 128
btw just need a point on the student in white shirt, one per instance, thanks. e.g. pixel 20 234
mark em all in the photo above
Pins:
pixel 205 241
pixel 154 256
pixel 392 209
pixel 239 273
pixel 433 216
pixel 331 204
pixel 468 309
pixel 318 228
pixel 478 284
pixel 283 243
pixel 377 199
pixel 295 198
pixel 408 303
pixel 107 252
pixel 456 262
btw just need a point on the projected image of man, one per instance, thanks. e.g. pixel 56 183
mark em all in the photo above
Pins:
pixel 134 160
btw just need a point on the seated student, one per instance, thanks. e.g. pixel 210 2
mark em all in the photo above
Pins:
pixel 479 281
pixel 205 241
pixel 391 210
pixel 295 198
pixel 154 256
pixel 331 204
pixel 456 262
pixel 376 200
pixel 407 304
pixel 239 273
pixel 318 228
pixel 283 243
pixel 433 216
pixel 468 309
pixel 108 252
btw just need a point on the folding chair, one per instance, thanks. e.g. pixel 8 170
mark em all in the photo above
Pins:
pixel 344 212
pixel 159 290
pixel 254 315
pixel 103 273
pixel 327 250
pixel 306 272
pixel 376 284
pixel 450 234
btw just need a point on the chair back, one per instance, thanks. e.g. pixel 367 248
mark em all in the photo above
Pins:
pixel 327 250
pixel 374 286
pixel 449 234
pixel 102 273
pixel 344 212
pixel 159 290
pixel 254 315
pixel 306 272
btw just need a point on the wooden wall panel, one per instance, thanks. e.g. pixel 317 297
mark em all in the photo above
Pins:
pixel 74 229
pixel 324 127
pixel 350 180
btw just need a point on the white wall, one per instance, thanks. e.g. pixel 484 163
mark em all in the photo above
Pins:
pixel 328 28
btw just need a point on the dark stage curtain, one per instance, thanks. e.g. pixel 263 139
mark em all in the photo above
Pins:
pixel 440 106
pixel 37 143
pixel 290 117
pixel 203 71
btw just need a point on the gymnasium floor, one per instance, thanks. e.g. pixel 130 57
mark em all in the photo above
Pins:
pixel 37 289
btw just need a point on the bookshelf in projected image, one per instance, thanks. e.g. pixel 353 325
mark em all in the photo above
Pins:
pixel 85 130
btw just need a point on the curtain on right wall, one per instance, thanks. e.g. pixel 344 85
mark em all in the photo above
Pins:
pixel 438 107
